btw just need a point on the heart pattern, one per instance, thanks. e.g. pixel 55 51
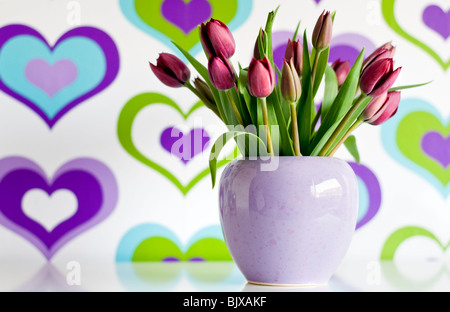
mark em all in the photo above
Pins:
pixel 157 244
pixel 369 194
pixel 184 146
pixel 52 80
pixel 124 130
pixel 186 15
pixel 392 272
pixel 92 183
pixel 438 20
pixel 417 137
pixel 49 210
pixel 396 239
pixel 345 46
pixel 434 17
pixel 177 20
pixel 437 147
pixel 152 242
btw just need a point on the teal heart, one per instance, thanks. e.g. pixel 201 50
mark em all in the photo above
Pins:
pixel 154 243
pixel 52 80
pixel 403 137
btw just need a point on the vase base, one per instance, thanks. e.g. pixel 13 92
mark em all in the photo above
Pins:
pixel 288 285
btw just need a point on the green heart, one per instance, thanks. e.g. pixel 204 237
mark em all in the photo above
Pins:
pixel 409 137
pixel 156 249
pixel 387 7
pixel 125 124
pixel 150 13
pixel 390 269
pixel 400 236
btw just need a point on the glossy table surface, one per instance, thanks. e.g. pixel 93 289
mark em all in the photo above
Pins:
pixel 352 276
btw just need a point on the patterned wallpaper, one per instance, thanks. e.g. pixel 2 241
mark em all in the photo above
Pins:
pixel 86 168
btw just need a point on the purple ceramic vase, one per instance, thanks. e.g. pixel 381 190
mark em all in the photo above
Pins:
pixel 289 223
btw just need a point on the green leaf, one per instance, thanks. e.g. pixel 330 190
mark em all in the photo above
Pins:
pixel 353 118
pixel 305 108
pixel 294 38
pixel 268 31
pixel 197 65
pixel 203 71
pixel 242 81
pixel 263 44
pixel 321 143
pixel 341 104
pixel 255 149
pixel 331 90
pixel 409 86
pixel 225 109
pixel 320 70
pixel 242 107
pixel 351 146
pixel 286 148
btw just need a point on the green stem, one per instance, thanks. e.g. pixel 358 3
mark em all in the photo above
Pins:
pixel 294 126
pixel 315 64
pixel 345 137
pixel 205 101
pixel 234 107
pixel 267 126
pixel 342 125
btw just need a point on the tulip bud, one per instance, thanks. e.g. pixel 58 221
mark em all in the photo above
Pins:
pixel 341 69
pixel 171 70
pixel 322 33
pixel 382 108
pixel 294 51
pixel 204 91
pixel 217 39
pixel 290 83
pixel 378 77
pixel 260 78
pixel 260 52
pixel 387 50
pixel 221 73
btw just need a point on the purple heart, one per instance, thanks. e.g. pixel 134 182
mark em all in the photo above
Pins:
pixel 102 39
pixel 89 180
pixel 185 147
pixel 374 191
pixel 186 15
pixel 438 20
pixel 437 147
pixel 317 1
pixel 51 78
pixel 345 47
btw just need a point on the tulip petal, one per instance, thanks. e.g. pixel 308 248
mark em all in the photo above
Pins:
pixel 172 64
pixel 390 110
pixel 165 78
pixel 375 108
pixel 221 38
pixel 260 78
pixel 220 73
pixel 373 74
pixel 386 83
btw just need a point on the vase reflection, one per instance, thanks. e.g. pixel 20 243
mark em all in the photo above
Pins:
pixel 182 275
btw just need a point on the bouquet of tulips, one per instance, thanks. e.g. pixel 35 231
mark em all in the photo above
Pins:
pixel 267 117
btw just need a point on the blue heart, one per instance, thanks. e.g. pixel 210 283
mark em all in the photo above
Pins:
pixel 51 80
pixel 84 53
